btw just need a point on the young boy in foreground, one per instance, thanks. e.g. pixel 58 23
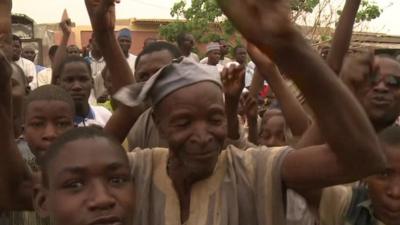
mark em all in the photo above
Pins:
pixel 86 180
pixel 377 202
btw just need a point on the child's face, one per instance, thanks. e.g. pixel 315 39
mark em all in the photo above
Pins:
pixel 89 183
pixel 384 189
pixel 273 132
pixel 44 122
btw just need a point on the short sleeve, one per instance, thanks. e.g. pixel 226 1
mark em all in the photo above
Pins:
pixel 262 167
pixel 335 202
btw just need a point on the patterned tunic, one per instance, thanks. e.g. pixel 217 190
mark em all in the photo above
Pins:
pixel 245 188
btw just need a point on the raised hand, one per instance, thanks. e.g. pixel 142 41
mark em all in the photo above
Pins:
pixel 233 81
pixel 65 24
pixel 250 106
pixel 356 71
pixel 260 21
pixel 102 14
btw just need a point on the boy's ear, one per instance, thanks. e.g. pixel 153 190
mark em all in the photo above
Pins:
pixel 40 198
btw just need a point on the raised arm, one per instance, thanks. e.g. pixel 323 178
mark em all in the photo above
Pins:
pixel 342 37
pixel 61 52
pixel 340 45
pixel 250 106
pixel 233 82
pixel 296 117
pixel 102 17
pixel 350 137
pixel 257 84
pixel 15 179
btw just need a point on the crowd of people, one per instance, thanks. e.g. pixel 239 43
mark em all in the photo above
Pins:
pixel 268 132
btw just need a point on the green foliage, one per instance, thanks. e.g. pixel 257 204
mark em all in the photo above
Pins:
pixel 205 20
pixel 368 11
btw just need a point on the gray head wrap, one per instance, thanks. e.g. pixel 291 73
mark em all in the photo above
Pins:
pixel 179 74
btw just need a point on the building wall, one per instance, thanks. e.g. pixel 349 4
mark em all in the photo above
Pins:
pixel 138 38
pixel 140 29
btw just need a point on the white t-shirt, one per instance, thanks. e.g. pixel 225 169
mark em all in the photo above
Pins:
pixel 98 115
pixel 29 69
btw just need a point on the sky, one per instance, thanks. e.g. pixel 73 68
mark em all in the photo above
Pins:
pixel 49 11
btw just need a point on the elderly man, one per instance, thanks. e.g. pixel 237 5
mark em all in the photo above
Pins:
pixel 198 181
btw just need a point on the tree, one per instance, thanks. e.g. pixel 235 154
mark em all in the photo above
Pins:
pixel 204 19
pixel 318 17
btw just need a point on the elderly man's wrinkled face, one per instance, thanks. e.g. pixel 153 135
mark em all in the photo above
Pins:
pixel 192 120
pixel 381 98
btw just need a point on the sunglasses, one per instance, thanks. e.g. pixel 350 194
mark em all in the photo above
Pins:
pixel 390 80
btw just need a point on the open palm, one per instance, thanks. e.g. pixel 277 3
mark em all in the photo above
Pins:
pixel 260 21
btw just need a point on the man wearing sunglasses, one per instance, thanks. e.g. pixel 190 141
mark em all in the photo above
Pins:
pixel 377 80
